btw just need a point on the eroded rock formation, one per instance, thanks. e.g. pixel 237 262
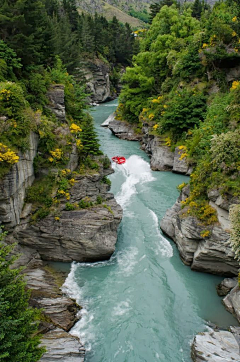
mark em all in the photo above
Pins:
pixel 212 254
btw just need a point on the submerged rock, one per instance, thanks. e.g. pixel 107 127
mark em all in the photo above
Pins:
pixel 212 346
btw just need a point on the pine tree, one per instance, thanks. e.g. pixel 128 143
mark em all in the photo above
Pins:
pixel 18 327
pixel 89 139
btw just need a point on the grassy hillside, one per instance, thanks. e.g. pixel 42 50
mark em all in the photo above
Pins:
pixel 110 11
pixel 129 11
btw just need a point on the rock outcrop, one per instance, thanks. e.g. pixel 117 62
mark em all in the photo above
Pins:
pixel 161 156
pixel 232 302
pixel 96 73
pixel 123 130
pixel 56 101
pixel 226 286
pixel 59 311
pixel 79 235
pixel 212 254
pixel 62 347
pixel 13 186
pixel 221 346
pixel 81 232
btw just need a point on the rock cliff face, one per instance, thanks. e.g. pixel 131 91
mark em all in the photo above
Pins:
pixel 80 235
pixel 161 156
pixel 13 186
pixel 56 101
pixel 96 74
pixel 123 130
pixel 77 234
pixel 212 254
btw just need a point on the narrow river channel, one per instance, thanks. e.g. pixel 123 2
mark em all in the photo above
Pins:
pixel 143 304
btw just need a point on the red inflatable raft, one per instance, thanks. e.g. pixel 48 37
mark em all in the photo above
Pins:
pixel 119 159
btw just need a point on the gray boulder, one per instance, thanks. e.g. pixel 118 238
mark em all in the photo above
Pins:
pixel 123 130
pixel 232 302
pixel 62 347
pixel 226 286
pixel 215 346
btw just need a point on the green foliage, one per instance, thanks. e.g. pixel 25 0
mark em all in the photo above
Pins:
pixel 185 110
pixel 8 62
pixel 99 200
pixel 18 337
pixel 89 139
pixel 85 203
pixel 40 193
pixel 106 181
pixel 70 207
pixel 106 162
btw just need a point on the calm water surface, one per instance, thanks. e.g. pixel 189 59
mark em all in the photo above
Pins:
pixel 143 304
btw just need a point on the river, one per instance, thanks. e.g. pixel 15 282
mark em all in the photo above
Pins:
pixel 143 304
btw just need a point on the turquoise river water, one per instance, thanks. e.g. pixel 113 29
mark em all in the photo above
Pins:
pixel 143 304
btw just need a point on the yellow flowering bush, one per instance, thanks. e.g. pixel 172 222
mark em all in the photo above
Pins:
pixel 5 94
pixel 168 141
pixel 235 85
pixel 201 209
pixel 74 128
pixel 156 100
pixel 234 19
pixel 205 233
pixel 155 127
pixel 205 45
pixel 56 155
pixel 181 186
pixel 79 144
pixel 7 155
pixel 183 152
pixel 151 116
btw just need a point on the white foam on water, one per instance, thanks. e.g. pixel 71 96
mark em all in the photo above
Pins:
pixel 137 172
pixel 70 286
pixel 121 308
pixel 163 246
pixel 83 329
pixel 127 259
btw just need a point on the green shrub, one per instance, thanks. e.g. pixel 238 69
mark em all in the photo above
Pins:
pixel 70 207
pixel 106 181
pixel 106 162
pixel 18 323
pixel 99 200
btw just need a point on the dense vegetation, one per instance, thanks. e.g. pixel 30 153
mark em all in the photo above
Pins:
pixel 18 338
pixel 184 85
pixel 42 44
